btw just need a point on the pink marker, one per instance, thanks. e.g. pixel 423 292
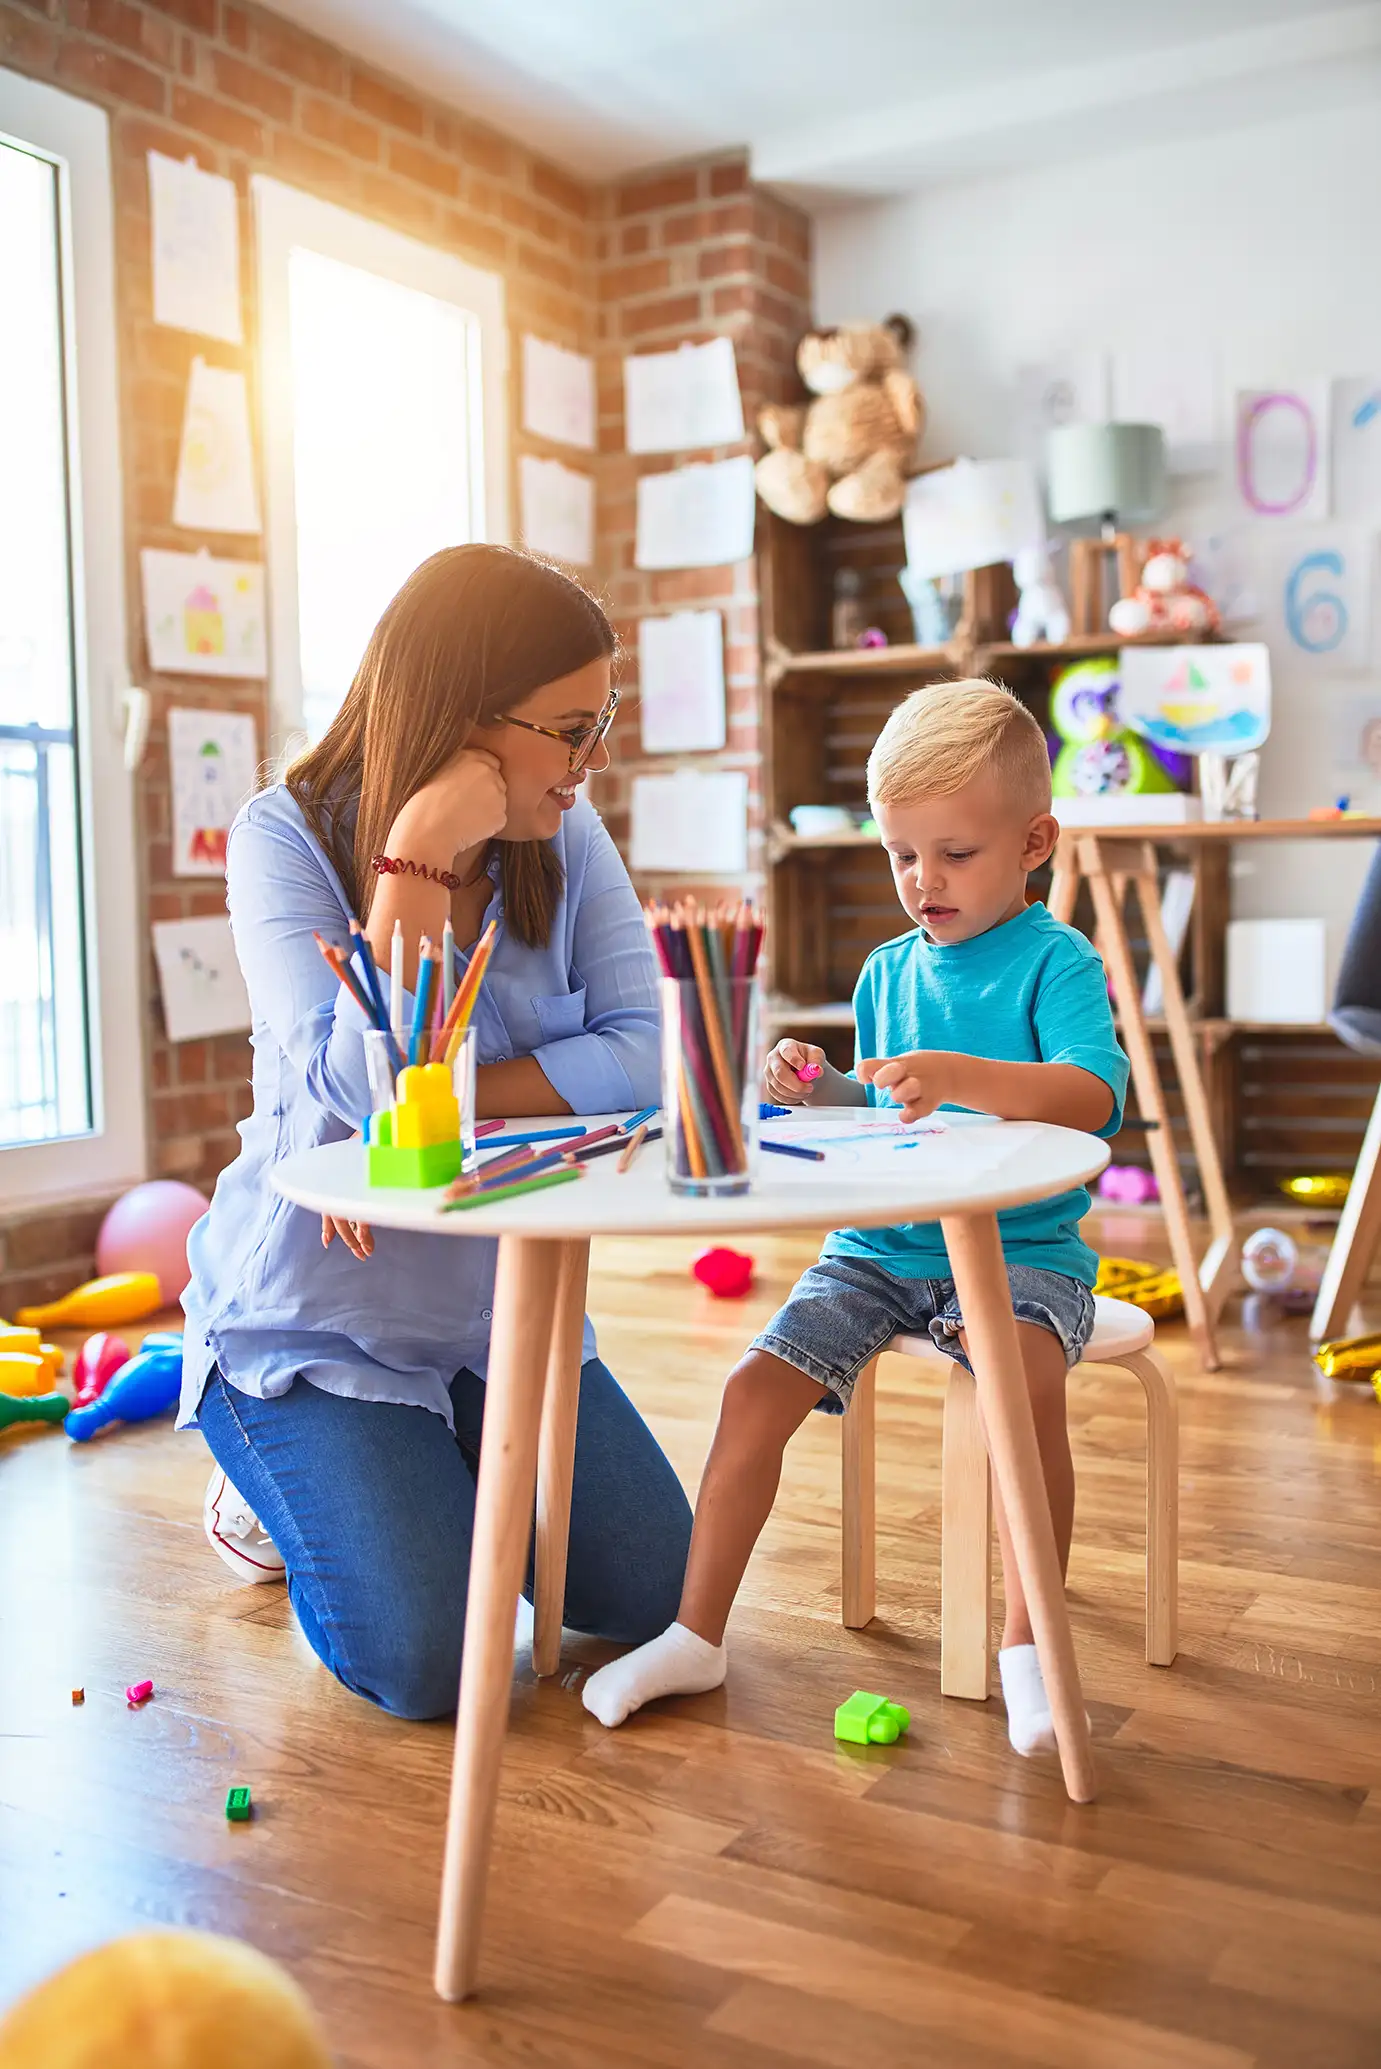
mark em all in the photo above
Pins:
pixel 138 1692
pixel 809 1072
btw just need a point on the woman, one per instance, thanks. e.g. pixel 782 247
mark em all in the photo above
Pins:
pixel 340 1383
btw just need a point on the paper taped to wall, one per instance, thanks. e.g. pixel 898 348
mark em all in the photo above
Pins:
pixel 681 682
pixel 215 470
pixel 558 394
pixel 700 516
pixel 691 823
pixel 558 510
pixel 676 401
pixel 196 249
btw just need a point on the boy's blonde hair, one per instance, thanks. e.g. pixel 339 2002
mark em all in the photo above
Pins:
pixel 944 735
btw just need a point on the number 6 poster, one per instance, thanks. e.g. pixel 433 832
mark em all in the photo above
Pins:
pixel 1318 594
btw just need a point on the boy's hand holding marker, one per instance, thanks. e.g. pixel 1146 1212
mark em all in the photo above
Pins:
pixel 795 1072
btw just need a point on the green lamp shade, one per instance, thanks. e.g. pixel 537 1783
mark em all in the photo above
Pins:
pixel 1100 468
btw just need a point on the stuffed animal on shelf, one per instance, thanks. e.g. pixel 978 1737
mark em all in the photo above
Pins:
pixel 851 448
pixel 1165 600
pixel 1098 756
pixel 1042 612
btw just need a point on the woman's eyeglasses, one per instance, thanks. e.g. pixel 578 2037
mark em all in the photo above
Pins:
pixel 581 741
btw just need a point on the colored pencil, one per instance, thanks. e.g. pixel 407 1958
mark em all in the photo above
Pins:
pixel 795 1149
pixel 467 992
pixel 537 1135
pixel 483 1128
pixel 335 958
pixel 375 988
pixel 421 999
pixel 615 1148
pixel 396 986
pixel 639 1138
pixel 511 1192
pixel 448 966
pixel 713 955
pixel 644 1113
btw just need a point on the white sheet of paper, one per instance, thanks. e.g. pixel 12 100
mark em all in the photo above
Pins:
pixel 1177 388
pixel 196 249
pixel 199 976
pixel 558 393
pixel 861 1147
pixel 971 515
pixel 214 755
pixel 203 616
pixel 1282 449
pixel 700 516
pixel 676 401
pixel 1197 699
pixel 1069 389
pixel 1316 583
pixel 1357 447
pixel 1226 565
pixel 691 823
pixel 1357 735
pixel 215 470
pixel 558 506
pixel 681 682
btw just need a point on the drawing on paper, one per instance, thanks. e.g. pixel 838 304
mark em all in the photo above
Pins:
pixel 204 616
pixel 1200 699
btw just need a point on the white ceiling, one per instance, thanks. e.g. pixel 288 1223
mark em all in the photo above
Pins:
pixel 833 103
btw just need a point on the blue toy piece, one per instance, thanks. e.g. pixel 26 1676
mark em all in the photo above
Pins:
pixel 145 1386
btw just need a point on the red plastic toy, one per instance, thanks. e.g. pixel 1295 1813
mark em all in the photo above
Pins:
pixel 97 1363
pixel 727 1273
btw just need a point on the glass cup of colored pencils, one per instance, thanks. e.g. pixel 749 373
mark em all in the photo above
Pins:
pixel 710 1060
pixel 414 1135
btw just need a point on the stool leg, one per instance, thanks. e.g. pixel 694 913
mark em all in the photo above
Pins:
pixel 1162 1505
pixel 966 1567
pixel 859 1502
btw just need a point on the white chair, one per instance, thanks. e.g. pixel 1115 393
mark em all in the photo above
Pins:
pixel 1122 1336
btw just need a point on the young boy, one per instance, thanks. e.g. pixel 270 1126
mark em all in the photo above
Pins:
pixel 991 1005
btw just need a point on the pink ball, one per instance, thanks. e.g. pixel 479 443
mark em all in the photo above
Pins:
pixel 147 1230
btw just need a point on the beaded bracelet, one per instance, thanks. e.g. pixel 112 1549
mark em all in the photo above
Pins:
pixel 390 865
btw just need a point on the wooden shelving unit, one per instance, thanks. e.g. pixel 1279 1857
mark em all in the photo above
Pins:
pixel 1283 1099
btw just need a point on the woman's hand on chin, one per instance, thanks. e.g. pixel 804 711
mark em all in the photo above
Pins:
pixel 462 807
pixel 357 1236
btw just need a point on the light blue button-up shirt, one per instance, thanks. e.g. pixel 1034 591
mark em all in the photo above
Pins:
pixel 266 1302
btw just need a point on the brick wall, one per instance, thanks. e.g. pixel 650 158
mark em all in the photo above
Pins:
pixel 688 252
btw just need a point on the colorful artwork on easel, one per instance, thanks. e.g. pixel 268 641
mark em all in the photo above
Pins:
pixel 204 616
pixel 1200 699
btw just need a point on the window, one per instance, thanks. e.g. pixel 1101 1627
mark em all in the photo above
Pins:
pixel 71 1088
pixel 383 384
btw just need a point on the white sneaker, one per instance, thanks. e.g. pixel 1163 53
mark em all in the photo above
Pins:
pixel 235 1532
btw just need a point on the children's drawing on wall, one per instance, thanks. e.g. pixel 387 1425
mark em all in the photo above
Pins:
pixel 204 616
pixel 1199 699
pixel 199 977
pixel 213 756
pixel 1357 737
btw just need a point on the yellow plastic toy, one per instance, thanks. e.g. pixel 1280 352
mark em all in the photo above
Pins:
pixel 23 1372
pixel 1349 1357
pixel 1328 1190
pixel 13 1338
pixel 1151 1287
pixel 177 2000
pixel 99 1304
pixel 416 1141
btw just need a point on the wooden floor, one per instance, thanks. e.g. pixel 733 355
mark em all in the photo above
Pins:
pixel 719 1883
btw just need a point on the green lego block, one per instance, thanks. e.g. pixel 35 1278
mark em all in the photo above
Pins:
pixel 870 1720
pixel 237 1804
pixel 436 1163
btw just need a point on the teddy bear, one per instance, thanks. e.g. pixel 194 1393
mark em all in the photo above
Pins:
pixel 851 448
pixel 1165 600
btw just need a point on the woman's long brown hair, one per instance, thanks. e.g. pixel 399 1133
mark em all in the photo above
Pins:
pixel 471 633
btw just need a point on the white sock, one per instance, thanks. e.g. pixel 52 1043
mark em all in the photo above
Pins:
pixel 677 1663
pixel 1029 1724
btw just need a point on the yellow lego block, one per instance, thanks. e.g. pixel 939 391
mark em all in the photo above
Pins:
pixel 427 1109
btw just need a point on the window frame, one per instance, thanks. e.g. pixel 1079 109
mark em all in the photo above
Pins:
pixel 73 136
pixel 285 217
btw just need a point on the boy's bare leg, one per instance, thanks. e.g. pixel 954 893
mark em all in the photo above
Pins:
pixel 765 1401
pixel 1029 1722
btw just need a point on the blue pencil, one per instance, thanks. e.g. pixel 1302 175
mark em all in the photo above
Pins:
pixel 636 1120
pixel 421 1000
pixel 795 1149
pixel 375 989
pixel 537 1135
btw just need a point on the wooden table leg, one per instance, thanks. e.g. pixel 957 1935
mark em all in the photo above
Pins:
pixel 980 1280
pixel 1150 1093
pixel 556 1458
pixel 1354 1244
pixel 524 1304
pixel 1064 889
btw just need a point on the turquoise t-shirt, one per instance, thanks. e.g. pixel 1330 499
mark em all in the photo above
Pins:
pixel 1029 991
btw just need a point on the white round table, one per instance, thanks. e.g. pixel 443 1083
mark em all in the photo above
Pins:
pixel 960 1178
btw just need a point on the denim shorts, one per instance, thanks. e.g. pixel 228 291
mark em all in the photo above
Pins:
pixel 844 1309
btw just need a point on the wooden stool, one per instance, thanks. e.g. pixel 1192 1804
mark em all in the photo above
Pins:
pixel 1122 1336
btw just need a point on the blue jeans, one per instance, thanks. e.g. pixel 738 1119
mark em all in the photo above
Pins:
pixel 373 1507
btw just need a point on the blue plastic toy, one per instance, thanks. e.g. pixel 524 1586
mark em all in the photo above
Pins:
pixel 145 1386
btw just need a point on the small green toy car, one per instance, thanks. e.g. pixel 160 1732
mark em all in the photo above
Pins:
pixel 870 1720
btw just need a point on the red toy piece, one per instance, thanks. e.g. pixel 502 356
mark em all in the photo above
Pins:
pixel 138 1692
pixel 97 1363
pixel 727 1273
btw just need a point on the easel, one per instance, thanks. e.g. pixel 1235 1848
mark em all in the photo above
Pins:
pixel 1110 866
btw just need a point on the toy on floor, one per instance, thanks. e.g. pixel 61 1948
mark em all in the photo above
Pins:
pixel 146 1386
pixel 1129 1184
pixel 28 1343
pixel 238 1805
pixel 870 1720
pixel 727 1273
pixel 1330 1189
pixel 20 1408
pixel 1274 1263
pixel 1349 1357
pixel 416 1141
pixel 1151 1287
pixel 97 1363
pixel 147 1230
pixel 138 1693
pixel 165 2000
pixel 99 1304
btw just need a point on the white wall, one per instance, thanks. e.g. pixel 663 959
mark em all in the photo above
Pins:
pixel 1261 243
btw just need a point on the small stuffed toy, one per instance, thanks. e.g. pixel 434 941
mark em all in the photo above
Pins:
pixel 1165 600
pixel 1041 612
pixel 851 449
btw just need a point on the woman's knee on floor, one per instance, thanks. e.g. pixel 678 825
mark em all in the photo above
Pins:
pixel 404 1657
